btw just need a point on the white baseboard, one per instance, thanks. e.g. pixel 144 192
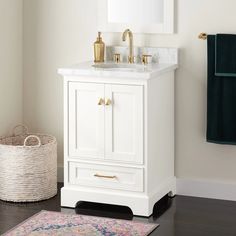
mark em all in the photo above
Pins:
pixel 60 174
pixel 194 187
pixel 206 189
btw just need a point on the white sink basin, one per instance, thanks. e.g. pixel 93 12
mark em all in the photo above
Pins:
pixel 119 67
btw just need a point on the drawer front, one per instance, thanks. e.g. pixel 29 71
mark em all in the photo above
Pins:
pixel 102 176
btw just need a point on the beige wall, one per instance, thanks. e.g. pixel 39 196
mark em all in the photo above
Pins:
pixel 61 32
pixel 10 64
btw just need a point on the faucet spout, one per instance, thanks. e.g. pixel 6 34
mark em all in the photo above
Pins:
pixel 131 45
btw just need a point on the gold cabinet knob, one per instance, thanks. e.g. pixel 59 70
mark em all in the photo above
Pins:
pixel 101 101
pixel 108 102
pixel 145 59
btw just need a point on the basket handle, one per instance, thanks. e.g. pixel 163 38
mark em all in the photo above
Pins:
pixel 24 129
pixel 33 136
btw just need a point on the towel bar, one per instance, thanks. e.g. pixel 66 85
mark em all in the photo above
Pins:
pixel 202 36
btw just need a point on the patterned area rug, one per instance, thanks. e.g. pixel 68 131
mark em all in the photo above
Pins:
pixel 60 224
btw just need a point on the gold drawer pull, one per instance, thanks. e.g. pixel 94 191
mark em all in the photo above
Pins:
pixel 101 101
pixel 108 102
pixel 105 176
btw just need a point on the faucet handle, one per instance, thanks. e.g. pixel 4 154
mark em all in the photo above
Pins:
pixel 146 59
pixel 117 57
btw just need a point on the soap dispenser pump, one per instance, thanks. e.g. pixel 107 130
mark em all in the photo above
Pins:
pixel 99 49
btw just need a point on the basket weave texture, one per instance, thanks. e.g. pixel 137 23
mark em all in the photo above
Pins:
pixel 28 167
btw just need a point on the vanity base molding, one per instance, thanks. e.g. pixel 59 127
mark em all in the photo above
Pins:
pixel 140 204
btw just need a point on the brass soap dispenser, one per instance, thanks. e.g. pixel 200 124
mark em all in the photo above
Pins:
pixel 99 49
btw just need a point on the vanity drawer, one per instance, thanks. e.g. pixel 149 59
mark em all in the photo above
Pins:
pixel 103 176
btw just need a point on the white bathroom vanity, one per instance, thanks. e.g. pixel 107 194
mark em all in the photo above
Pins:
pixel 119 133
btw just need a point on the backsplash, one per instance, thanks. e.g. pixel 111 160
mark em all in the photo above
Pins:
pixel 159 55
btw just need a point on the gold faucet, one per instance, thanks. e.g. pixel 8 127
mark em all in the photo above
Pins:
pixel 131 46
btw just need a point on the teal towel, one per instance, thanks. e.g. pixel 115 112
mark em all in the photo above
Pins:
pixel 225 60
pixel 221 102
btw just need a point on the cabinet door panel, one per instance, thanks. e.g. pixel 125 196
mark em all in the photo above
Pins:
pixel 124 123
pixel 86 120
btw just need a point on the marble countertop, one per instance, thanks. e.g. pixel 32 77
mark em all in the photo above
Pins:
pixel 141 72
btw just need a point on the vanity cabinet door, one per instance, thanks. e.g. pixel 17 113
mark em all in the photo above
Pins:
pixel 124 123
pixel 86 120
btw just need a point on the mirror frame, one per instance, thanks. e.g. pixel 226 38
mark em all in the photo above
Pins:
pixel 167 27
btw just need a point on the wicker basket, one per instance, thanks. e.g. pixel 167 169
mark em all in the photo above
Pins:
pixel 28 165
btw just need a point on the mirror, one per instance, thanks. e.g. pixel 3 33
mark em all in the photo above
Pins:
pixel 141 16
pixel 120 11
